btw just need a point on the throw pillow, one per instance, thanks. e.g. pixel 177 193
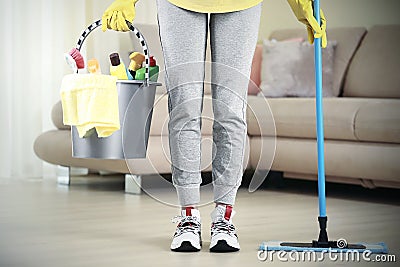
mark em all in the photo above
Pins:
pixel 288 69
pixel 255 75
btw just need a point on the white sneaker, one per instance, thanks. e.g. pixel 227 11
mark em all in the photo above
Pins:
pixel 223 233
pixel 187 237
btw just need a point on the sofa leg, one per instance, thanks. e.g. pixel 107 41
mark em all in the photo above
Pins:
pixel 64 174
pixel 105 173
pixel 133 184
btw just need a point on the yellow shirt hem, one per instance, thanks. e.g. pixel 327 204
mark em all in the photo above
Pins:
pixel 204 8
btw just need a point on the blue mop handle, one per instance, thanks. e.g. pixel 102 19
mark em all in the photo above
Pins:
pixel 320 116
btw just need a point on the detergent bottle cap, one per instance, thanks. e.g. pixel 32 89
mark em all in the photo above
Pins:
pixel 114 58
pixel 152 61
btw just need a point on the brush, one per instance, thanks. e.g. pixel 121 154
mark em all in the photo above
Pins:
pixel 75 59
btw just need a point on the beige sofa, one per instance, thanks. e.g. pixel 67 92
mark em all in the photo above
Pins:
pixel 362 125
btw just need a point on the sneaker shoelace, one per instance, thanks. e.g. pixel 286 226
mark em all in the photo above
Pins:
pixel 223 226
pixel 186 224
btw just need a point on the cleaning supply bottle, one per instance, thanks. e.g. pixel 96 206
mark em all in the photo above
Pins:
pixel 136 62
pixel 94 66
pixel 117 67
pixel 130 76
pixel 154 69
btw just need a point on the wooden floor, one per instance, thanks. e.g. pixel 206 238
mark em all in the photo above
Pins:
pixel 94 223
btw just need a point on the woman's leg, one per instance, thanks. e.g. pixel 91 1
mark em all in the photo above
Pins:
pixel 183 37
pixel 233 40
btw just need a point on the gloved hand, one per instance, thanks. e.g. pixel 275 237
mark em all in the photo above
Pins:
pixel 116 15
pixel 303 10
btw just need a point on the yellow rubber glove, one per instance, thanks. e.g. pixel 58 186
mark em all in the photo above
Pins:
pixel 303 10
pixel 117 13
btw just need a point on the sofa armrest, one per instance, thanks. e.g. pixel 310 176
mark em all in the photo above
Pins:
pixel 57 117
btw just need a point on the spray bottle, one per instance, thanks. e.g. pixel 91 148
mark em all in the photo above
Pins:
pixel 154 69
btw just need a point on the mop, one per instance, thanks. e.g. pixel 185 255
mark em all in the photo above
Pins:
pixel 323 243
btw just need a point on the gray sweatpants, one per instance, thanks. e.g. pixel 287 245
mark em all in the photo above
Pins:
pixel 233 37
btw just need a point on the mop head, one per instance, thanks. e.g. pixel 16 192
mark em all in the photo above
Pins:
pixel 376 248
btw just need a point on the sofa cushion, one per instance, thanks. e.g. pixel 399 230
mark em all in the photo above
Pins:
pixel 374 71
pixel 255 75
pixel 159 123
pixel 348 40
pixel 342 158
pixel 295 117
pixel 358 119
pixel 378 121
pixel 57 117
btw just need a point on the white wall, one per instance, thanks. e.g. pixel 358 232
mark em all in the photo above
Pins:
pixel 276 14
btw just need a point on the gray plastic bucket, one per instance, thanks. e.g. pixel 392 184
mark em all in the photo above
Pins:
pixel 135 102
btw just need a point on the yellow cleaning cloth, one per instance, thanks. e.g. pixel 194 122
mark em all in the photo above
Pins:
pixel 90 101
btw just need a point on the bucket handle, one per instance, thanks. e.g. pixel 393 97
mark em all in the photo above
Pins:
pixel 143 43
